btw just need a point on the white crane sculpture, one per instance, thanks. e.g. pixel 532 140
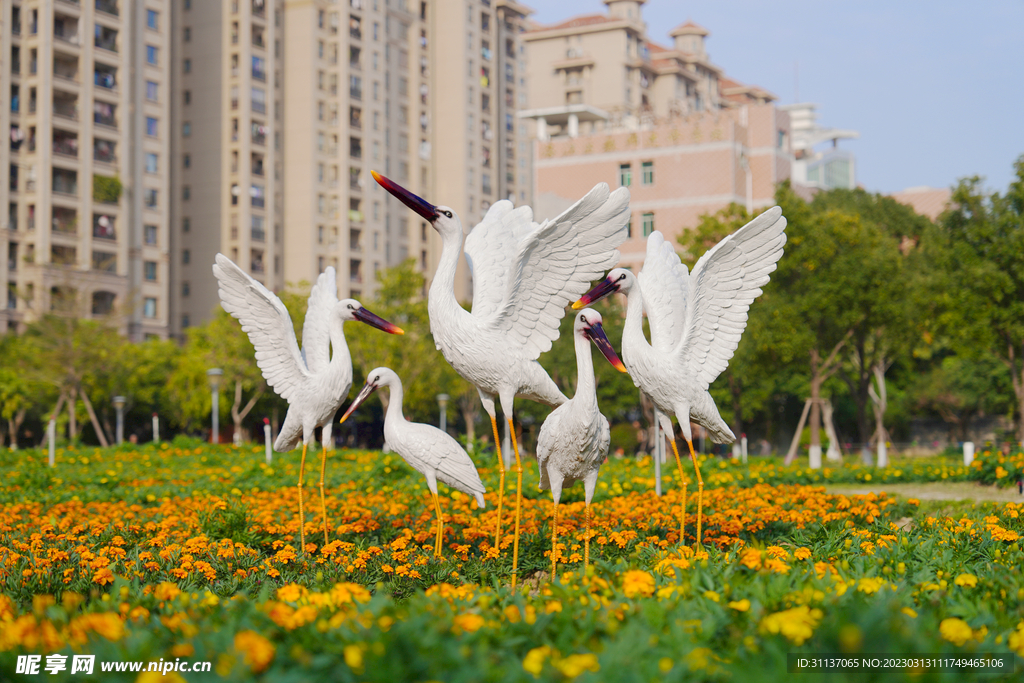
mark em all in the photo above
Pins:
pixel 574 438
pixel 426 448
pixel 696 321
pixel 314 382
pixel 524 275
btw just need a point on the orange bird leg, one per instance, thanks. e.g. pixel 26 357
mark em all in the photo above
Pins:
pixel 700 493
pixel 501 485
pixel 682 514
pixel 554 544
pixel 440 527
pixel 586 541
pixel 519 502
pixel 323 500
pixel 302 514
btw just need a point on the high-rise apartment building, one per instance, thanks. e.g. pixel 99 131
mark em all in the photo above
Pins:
pixel 84 164
pixel 226 144
pixel 609 104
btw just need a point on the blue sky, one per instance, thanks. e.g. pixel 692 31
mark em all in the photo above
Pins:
pixel 936 89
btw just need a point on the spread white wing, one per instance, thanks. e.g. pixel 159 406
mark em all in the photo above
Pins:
pixel 426 447
pixel 550 265
pixel 488 248
pixel 265 319
pixel 316 330
pixel 664 283
pixel 723 284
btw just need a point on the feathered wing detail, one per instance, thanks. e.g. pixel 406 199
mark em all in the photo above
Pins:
pixel 664 284
pixel 316 328
pixel 555 264
pixel 488 248
pixel 723 284
pixel 426 447
pixel 265 319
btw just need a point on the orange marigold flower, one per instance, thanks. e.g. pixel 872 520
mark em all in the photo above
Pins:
pixel 103 576
pixel 257 651
pixel 636 582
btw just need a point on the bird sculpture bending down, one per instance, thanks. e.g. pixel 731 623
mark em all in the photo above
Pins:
pixel 573 441
pixel 524 275
pixel 314 382
pixel 426 448
pixel 696 321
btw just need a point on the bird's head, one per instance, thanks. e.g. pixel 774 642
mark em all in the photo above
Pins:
pixel 375 379
pixel 618 280
pixel 589 326
pixel 442 218
pixel 350 309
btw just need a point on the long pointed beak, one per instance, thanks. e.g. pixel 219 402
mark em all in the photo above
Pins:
pixel 414 202
pixel 600 339
pixel 363 395
pixel 363 315
pixel 598 292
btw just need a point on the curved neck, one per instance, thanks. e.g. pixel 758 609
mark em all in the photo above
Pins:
pixel 340 355
pixel 633 329
pixel 586 385
pixel 394 411
pixel 442 304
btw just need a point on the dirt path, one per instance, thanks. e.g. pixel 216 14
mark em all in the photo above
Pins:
pixel 965 490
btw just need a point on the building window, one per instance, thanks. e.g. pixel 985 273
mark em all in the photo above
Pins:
pixel 149 268
pixel 186 193
pixel 186 224
pixel 151 54
pixel 149 198
pixel 150 232
pixel 186 129
pixel 184 318
pixel 151 126
pixel 151 162
pixel 188 34
pixel 187 96
pixel 629 229
pixel 149 307
pixel 152 19
pixel 648 172
pixel 186 160
pixel 648 224
pixel 152 89
pixel 186 289
pixel 186 256
pixel 187 66
pixel 625 175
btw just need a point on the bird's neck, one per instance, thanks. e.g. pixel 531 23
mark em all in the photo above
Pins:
pixel 442 303
pixel 633 337
pixel 586 385
pixel 394 412
pixel 340 356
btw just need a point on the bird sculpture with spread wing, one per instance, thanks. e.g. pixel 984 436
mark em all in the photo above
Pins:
pixel 573 440
pixel 696 321
pixel 426 448
pixel 524 275
pixel 313 381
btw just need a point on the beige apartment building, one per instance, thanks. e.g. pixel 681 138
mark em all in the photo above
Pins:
pixel 606 103
pixel 84 167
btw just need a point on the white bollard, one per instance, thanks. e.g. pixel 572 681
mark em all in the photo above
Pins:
pixel 51 437
pixel 736 450
pixel 266 438
pixel 743 448
pixel 815 457
pixel 968 453
pixel 156 428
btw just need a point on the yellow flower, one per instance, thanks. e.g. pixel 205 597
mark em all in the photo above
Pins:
pixel 795 624
pixel 553 606
pixel 573 665
pixel 166 591
pixel 740 605
pixel 955 630
pixel 802 553
pixel 711 595
pixel 870 584
pixel 751 558
pixel 354 657
pixel 1016 640
pixel 966 580
pixel 103 576
pixel 290 593
pixel 909 612
pixel 257 650
pixel 468 622
pixel 534 661
pixel 159 677
pixel 637 582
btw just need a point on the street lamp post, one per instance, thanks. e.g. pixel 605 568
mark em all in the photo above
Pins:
pixel 442 404
pixel 119 402
pixel 215 375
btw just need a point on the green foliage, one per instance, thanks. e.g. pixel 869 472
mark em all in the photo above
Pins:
pixel 106 189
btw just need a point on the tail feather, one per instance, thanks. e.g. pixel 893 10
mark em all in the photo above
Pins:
pixel 290 435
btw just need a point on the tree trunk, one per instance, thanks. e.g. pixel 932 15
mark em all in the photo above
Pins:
pixel 736 391
pixel 834 454
pixel 816 382
pixel 95 423
pixel 238 415
pixel 469 407
pixel 72 420
pixel 794 446
pixel 879 400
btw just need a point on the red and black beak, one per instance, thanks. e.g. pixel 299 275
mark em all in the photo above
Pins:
pixel 364 394
pixel 595 333
pixel 414 202
pixel 598 292
pixel 363 315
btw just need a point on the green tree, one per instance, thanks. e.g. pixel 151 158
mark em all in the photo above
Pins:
pixel 979 255
pixel 19 395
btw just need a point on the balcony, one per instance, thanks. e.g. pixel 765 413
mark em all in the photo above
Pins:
pixel 65 182
pixel 65 29
pixel 257 231
pixel 104 227
pixel 108 6
pixel 66 108
pixel 105 77
pixel 104 262
pixel 259 134
pixel 104 151
pixel 65 68
pixel 65 143
pixel 104 114
pixel 105 38
pixel 257 39
pixel 259 8
pixel 65 221
pixel 63 256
